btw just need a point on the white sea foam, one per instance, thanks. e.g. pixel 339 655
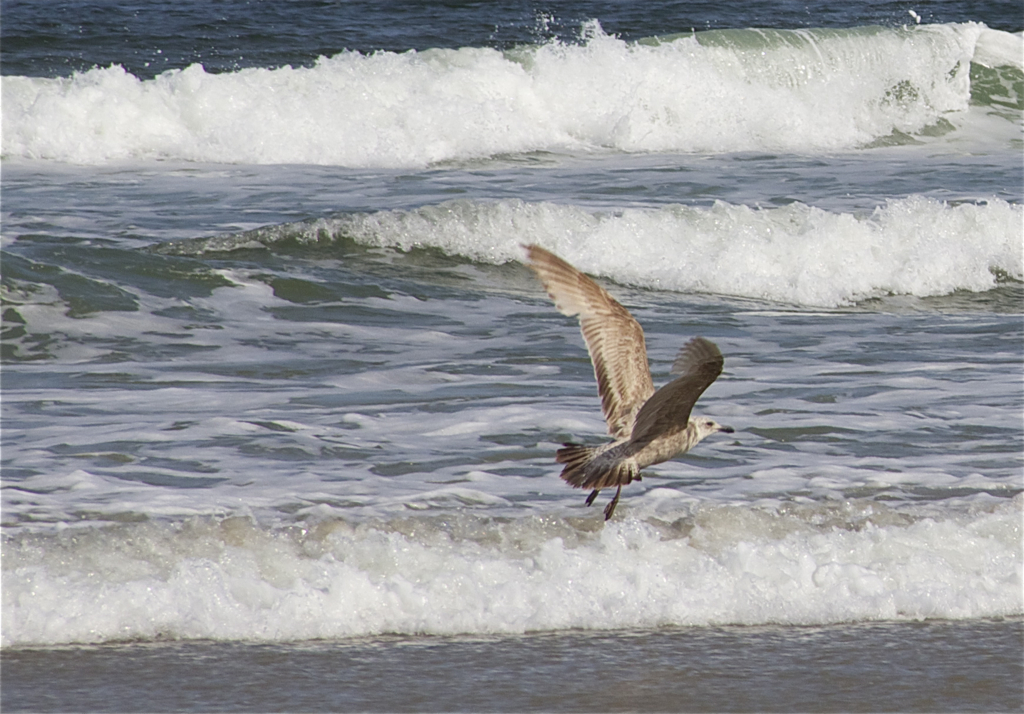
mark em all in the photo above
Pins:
pixel 795 254
pixel 999 49
pixel 814 90
pixel 234 579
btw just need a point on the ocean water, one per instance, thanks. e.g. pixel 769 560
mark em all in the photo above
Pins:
pixel 279 389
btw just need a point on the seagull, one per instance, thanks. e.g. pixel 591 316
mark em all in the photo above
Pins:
pixel 648 426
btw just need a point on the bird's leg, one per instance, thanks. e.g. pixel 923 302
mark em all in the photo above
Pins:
pixel 610 508
pixel 593 495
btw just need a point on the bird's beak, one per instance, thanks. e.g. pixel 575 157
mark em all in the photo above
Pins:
pixel 727 429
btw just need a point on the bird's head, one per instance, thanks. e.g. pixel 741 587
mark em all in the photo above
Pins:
pixel 707 427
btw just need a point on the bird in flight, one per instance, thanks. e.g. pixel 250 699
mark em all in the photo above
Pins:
pixel 648 426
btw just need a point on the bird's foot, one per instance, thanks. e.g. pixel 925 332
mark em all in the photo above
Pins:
pixel 610 508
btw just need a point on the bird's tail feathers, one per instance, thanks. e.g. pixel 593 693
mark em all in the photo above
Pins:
pixel 594 467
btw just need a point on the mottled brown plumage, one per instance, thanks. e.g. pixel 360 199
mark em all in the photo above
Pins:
pixel 648 426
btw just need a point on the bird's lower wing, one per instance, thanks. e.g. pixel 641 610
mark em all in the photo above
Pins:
pixel 668 410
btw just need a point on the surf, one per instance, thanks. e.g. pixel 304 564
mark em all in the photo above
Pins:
pixel 235 578
pixel 795 254
pixel 807 91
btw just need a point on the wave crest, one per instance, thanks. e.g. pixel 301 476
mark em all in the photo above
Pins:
pixel 796 254
pixel 236 579
pixel 737 90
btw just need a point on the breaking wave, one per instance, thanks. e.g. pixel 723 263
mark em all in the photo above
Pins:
pixel 717 91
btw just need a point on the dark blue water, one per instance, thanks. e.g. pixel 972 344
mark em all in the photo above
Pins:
pixel 57 38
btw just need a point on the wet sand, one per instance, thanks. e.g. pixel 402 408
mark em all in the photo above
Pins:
pixel 924 666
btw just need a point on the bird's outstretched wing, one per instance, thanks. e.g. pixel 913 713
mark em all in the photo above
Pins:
pixel 615 340
pixel 699 363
